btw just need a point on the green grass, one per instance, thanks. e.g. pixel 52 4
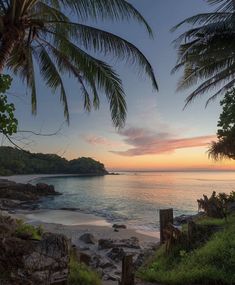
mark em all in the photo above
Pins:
pixel 80 274
pixel 34 232
pixel 211 263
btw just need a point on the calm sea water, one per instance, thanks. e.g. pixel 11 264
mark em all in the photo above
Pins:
pixel 135 198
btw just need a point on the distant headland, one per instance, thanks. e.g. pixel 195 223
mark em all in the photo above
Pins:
pixel 14 161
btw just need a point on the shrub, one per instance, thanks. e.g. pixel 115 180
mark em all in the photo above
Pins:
pixel 81 274
pixel 33 232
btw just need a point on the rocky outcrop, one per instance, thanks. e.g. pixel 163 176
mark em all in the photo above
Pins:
pixel 184 219
pixel 42 262
pixel 88 238
pixel 17 195
pixel 106 255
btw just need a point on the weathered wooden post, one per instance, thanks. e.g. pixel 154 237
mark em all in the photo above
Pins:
pixel 128 277
pixel 166 217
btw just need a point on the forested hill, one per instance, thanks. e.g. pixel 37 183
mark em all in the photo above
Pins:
pixel 15 161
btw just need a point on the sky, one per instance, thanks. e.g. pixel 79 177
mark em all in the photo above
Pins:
pixel 158 134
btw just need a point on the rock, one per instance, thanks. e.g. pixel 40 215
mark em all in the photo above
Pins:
pixel 116 254
pixel 84 248
pixel 117 226
pixel 139 260
pixel 6 204
pixel 105 263
pixel 133 242
pixel 84 258
pixel 88 238
pixel 112 277
pixel 29 262
pixel 45 189
pixel 184 219
pixel 25 192
pixel 7 226
pixel 53 245
pixel 105 244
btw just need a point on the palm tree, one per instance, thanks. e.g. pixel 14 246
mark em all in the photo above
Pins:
pixel 43 32
pixel 206 52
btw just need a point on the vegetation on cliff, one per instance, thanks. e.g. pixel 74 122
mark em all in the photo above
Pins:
pixel 15 161
pixel 204 253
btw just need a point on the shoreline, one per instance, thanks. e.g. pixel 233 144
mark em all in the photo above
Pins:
pixel 74 223
pixel 27 178
pixel 38 216
pixel 80 224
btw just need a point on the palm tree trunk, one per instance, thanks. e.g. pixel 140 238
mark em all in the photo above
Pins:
pixel 5 51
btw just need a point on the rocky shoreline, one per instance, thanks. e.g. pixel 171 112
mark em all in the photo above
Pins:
pixel 101 248
pixel 15 196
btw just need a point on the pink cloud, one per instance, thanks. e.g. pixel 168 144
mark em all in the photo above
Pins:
pixel 144 142
pixel 98 140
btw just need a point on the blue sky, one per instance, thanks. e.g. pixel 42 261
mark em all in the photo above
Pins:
pixel 155 114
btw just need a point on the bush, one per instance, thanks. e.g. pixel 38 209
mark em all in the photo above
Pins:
pixel 33 232
pixel 81 274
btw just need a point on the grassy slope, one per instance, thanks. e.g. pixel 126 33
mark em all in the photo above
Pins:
pixel 211 263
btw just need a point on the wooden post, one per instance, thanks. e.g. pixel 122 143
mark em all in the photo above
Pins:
pixel 166 217
pixel 127 271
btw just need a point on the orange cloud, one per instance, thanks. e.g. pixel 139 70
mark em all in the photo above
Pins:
pixel 145 142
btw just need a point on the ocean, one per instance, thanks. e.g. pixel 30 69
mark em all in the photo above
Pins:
pixel 136 198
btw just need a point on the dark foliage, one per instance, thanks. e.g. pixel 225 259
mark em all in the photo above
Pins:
pixel 15 161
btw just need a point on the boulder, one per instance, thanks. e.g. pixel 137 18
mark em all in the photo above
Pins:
pixel 88 238
pixel 105 244
pixel 25 192
pixel 105 263
pixel 41 262
pixel 84 258
pixel 116 254
pixel 117 226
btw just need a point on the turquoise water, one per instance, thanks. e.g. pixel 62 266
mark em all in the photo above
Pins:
pixel 135 198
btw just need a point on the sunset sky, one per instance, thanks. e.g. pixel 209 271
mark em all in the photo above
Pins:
pixel 158 134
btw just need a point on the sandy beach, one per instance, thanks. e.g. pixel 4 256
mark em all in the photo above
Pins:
pixel 74 224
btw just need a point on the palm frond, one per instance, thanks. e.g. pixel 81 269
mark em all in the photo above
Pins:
pixel 104 9
pixel 52 77
pixel 104 42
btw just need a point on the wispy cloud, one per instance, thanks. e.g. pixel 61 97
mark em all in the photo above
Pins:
pixel 144 141
pixel 99 140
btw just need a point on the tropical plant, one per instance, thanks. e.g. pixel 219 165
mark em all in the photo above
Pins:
pixel 224 148
pixel 8 122
pixel 217 205
pixel 206 51
pixel 54 35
